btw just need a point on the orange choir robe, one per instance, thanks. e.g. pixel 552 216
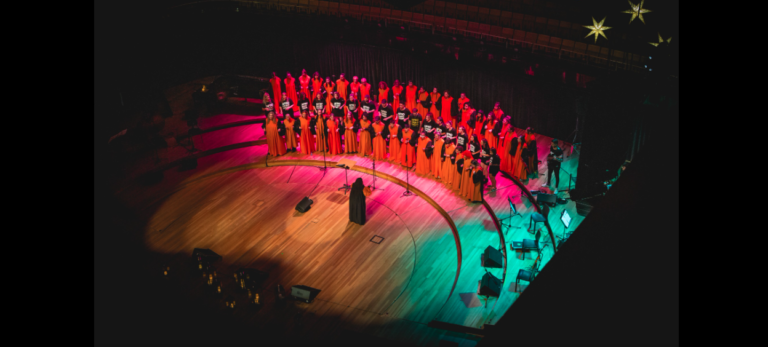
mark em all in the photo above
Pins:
pixel 307 141
pixel 379 144
pixel 478 130
pixel 365 89
pixel 505 140
pixel 461 102
pixel 304 84
pixel 394 143
pixel 448 170
pixel 410 97
pixel 437 159
pixel 275 143
pixel 290 90
pixel 317 85
pixel 383 94
pixel 290 135
pixel 435 98
pixel 275 81
pixel 354 87
pixel 328 91
pixel 476 194
pixel 498 113
pixel 320 130
pixel 341 87
pixel 422 97
pixel 456 184
pixel 396 92
pixel 365 139
pixel 350 138
pixel 464 118
pixel 334 137
pixel 423 165
pixel 492 140
pixel 406 149
pixel 467 187
pixel 446 111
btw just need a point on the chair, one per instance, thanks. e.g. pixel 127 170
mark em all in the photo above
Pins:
pixel 535 218
pixel 527 244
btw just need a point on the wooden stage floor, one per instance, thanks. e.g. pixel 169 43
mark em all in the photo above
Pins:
pixel 235 205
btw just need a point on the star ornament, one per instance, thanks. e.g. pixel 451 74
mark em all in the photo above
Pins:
pixel 661 40
pixel 597 28
pixel 636 11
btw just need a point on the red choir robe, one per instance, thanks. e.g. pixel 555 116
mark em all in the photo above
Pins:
pixel 410 97
pixel 366 146
pixel 498 113
pixel 317 87
pixel 334 136
pixel 365 89
pixel 275 81
pixel 423 164
pixel 354 87
pixel 307 141
pixel 505 140
pixel 406 149
pixel 379 144
pixel 341 87
pixel 435 98
pixel 446 111
pixel 290 135
pixel 350 138
pixel 397 91
pixel 304 84
pixel 383 94
pixel 517 163
pixel 394 142
pixel 290 90
pixel 464 118
pixel 275 143
pixel 478 129
pixel 437 158
pixel 461 103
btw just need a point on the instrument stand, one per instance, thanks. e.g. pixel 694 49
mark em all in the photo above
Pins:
pixel 508 218
pixel 346 186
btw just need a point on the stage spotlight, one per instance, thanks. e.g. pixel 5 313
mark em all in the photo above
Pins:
pixel 650 69
pixel 650 57
pixel 646 66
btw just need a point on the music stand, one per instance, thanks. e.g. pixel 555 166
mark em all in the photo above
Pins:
pixel 346 164
pixel 512 213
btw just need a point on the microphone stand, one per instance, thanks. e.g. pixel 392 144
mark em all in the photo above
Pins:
pixel 374 172
pixel 325 147
pixel 407 191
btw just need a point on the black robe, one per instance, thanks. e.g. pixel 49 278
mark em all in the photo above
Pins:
pixel 512 150
pixel 357 203
pixel 479 177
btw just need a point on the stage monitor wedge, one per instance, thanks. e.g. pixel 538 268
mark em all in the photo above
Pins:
pixel 304 293
pixel 492 258
pixel 489 285
pixel 304 205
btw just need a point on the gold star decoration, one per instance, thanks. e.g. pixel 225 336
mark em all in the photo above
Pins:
pixel 597 28
pixel 661 40
pixel 636 11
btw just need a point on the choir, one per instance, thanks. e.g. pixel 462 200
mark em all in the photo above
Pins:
pixel 458 145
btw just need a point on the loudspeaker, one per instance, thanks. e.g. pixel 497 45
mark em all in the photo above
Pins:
pixel 491 258
pixel 489 285
pixel 188 163
pixel 304 205
pixel 304 293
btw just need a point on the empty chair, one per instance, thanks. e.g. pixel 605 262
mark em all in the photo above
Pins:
pixel 524 275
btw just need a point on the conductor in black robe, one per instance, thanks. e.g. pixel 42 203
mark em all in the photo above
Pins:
pixel 357 202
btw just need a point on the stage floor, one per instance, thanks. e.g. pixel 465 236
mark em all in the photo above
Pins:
pixel 235 205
